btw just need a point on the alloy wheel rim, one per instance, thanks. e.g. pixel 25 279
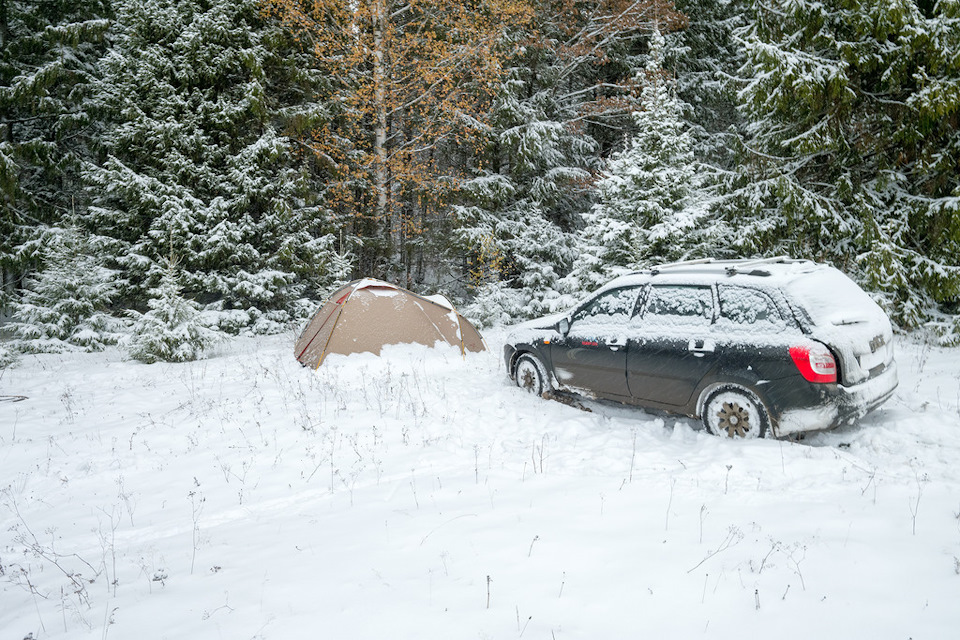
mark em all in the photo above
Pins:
pixel 527 377
pixel 529 380
pixel 733 419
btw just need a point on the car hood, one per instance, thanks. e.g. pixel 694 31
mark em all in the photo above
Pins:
pixel 533 330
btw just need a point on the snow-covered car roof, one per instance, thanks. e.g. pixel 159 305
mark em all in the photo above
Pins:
pixel 828 296
pixel 775 272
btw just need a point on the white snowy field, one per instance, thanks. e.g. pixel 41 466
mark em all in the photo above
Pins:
pixel 420 495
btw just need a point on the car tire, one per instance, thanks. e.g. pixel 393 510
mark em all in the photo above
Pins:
pixel 733 411
pixel 531 375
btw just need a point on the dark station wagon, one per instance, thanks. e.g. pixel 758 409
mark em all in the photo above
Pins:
pixel 750 347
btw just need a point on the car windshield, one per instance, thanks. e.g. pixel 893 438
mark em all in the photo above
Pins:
pixel 831 298
pixel 611 306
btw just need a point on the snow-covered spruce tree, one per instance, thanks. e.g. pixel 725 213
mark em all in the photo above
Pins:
pixel 522 202
pixel 63 307
pixel 919 236
pixel 651 200
pixel 703 56
pixel 567 98
pixel 853 149
pixel 530 251
pixel 7 357
pixel 172 330
pixel 191 162
pixel 47 51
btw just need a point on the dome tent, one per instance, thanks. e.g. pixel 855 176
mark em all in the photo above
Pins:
pixel 367 314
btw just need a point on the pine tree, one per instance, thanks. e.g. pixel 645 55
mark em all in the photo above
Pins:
pixel 63 307
pixel 651 201
pixel 191 162
pixel 47 52
pixel 172 330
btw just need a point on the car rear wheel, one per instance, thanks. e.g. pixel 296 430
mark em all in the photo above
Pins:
pixel 532 375
pixel 735 412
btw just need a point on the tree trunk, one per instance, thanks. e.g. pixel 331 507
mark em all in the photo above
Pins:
pixel 4 37
pixel 4 28
pixel 378 17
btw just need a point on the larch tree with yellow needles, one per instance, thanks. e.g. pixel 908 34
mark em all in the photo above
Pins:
pixel 407 88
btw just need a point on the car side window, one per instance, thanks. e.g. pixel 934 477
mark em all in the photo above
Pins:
pixel 747 308
pixel 615 306
pixel 679 304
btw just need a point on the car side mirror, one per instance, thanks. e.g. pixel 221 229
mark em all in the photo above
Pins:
pixel 564 327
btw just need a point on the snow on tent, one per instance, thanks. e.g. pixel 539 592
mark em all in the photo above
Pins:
pixel 367 314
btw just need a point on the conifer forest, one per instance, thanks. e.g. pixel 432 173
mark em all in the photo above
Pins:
pixel 220 166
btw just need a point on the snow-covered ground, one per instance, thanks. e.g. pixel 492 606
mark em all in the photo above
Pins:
pixel 420 495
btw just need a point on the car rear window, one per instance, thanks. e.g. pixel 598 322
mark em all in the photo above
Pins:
pixel 831 298
pixel 743 307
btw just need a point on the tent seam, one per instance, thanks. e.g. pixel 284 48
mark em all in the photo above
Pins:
pixel 323 354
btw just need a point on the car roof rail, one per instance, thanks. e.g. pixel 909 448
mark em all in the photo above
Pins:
pixel 733 266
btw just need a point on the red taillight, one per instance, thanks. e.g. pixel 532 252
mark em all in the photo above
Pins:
pixel 816 363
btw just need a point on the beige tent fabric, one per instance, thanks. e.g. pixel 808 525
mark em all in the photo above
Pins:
pixel 367 314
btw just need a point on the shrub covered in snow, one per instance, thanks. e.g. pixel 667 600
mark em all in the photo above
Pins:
pixel 63 306
pixel 495 304
pixel 7 357
pixel 172 330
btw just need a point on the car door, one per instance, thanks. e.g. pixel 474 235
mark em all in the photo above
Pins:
pixel 671 346
pixel 592 355
pixel 753 336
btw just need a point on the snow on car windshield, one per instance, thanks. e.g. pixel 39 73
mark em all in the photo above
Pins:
pixel 831 298
pixel 614 306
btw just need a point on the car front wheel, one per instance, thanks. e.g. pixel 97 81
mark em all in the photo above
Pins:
pixel 531 375
pixel 735 412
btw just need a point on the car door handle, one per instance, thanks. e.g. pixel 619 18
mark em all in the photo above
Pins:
pixel 701 347
pixel 617 342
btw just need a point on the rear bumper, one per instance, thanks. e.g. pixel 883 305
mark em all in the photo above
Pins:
pixel 857 400
pixel 840 404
